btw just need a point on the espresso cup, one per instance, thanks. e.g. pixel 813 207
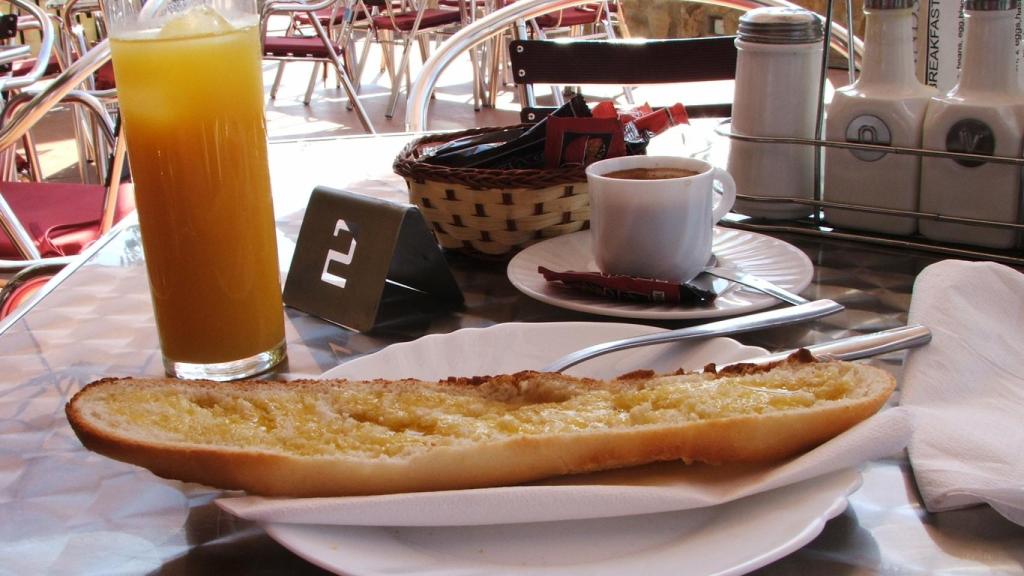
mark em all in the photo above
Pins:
pixel 654 216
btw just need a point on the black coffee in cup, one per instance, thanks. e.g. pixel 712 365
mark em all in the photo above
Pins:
pixel 666 173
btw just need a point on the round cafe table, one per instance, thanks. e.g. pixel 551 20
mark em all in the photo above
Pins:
pixel 65 510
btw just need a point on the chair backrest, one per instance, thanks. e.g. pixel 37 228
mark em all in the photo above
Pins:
pixel 34 17
pixel 497 22
pixel 324 47
pixel 623 62
pixel 22 113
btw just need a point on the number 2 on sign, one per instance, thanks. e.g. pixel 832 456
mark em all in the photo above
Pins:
pixel 343 258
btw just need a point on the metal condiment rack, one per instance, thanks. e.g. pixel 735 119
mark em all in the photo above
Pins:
pixel 816 226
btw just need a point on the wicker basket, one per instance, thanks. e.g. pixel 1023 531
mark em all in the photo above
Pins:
pixel 493 212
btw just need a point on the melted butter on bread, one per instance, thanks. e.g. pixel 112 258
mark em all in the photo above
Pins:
pixel 334 437
pixel 393 419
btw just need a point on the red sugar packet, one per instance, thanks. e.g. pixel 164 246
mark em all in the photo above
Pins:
pixel 607 109
pixel 582 141
pixel 645 118
pixel 657 121
pixel 630 289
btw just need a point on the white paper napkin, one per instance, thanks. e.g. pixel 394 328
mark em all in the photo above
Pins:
pixel 966 388
pixel 647 489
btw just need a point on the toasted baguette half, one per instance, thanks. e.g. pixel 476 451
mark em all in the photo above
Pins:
pixel 338 437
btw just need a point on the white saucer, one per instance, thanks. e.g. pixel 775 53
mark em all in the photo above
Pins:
pixel 770 258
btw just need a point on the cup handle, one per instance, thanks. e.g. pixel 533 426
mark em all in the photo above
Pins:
pixel 724 205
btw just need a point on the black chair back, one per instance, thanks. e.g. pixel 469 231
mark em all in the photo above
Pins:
pixel 624 62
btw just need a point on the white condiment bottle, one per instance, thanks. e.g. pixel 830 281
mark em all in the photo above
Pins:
pixel 977 116
pixel 886 105
pixel 778 73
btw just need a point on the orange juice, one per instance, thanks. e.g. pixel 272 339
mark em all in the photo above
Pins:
pixel 192 101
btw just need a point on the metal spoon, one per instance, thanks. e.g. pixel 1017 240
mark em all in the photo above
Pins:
pixel 760 284
pixel 714 267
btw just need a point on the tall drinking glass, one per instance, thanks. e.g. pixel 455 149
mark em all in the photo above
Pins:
pixel 190 88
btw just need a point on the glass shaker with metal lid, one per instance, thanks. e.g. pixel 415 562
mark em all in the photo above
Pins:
pixel 778 69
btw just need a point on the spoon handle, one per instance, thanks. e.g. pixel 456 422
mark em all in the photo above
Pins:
pixel 759 284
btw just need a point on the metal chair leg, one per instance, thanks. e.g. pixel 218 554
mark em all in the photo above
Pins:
pixel 82 144
pixel 474 63
pixel 387 54
pixel 312 84
pixel 620 19
pixel 609 30
pixel 29 146
pixel 396 86
pixel 351 65
pixel 277 80
pixel 498 48
pixel 353 97
pixel 424 47
pixel 361 63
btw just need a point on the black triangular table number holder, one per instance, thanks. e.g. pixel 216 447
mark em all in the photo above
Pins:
pixel 351 247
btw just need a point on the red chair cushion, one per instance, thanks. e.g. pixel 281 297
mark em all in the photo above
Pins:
pixel 21 294
pixel 105 77
pixel 324 16
pixel 61 218
pixel 296 46
pixel 569 17
pixel 23 67
pixel 458 3
pixel 432 18
pixel 339 16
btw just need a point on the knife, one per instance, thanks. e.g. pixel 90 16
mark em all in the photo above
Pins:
pixel 856 347
pixel 739 325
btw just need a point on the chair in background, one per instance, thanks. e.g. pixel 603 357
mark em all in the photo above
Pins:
pixel 24 65
pixel 49 223
pixel 23 25
pixel 593 20
pixel 413 23
pixel 616 16
pixel 55 219
pixel 64 39
pixel 76 42
pixel 76 16
pixel 318 48
pixel 473 9
pixel 25 284
pixel 334 19
pixel 578 22
pixel 621 63
pixel 586 22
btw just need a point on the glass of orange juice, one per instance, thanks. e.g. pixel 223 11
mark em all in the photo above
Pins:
pixel 190 87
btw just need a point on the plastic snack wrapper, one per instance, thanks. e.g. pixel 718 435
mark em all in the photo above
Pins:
pixel 572 135
pixel 631 289
pixel 521 150
pixel 582 141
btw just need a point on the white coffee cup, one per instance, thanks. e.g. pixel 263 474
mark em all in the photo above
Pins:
pixel 655 228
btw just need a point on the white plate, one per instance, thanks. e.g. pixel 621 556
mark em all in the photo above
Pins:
pixel 515 346
pixel 733 538
pixel 760 255
pixel 730 539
